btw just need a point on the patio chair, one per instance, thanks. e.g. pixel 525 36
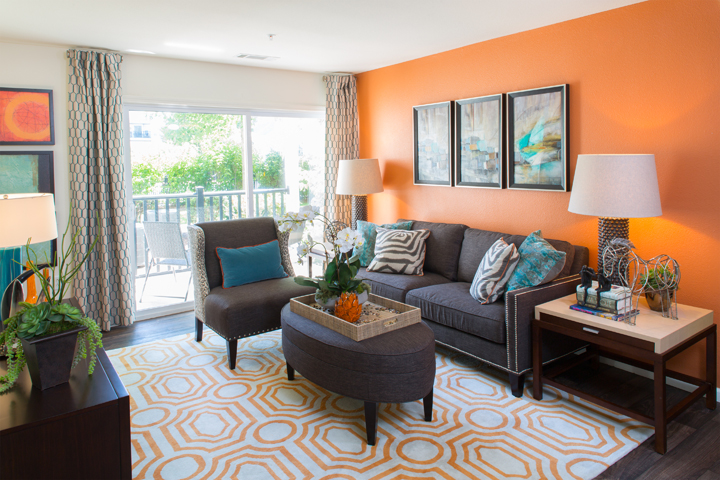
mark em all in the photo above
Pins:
pixel 165 243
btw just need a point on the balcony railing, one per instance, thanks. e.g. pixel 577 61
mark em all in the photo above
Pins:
pixel 201 206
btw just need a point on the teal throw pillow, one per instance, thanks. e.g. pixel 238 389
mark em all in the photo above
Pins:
pixel 250 264
pixel 539 263
pixel 369 233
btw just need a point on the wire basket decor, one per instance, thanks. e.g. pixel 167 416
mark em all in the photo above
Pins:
pixel 657 278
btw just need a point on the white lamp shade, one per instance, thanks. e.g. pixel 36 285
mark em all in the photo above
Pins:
pixel 359 177
pixel 27 215
pixel 619 186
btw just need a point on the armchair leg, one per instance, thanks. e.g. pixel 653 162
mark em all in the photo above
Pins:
pixel 198 330
pixel 517 384
pixel 231 353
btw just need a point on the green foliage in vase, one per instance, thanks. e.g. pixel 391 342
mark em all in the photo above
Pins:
pixel 341 268
pixel 51 316
pixel 659 278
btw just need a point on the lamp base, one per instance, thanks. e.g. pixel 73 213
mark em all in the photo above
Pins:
pixel 359 209
pixel 610 228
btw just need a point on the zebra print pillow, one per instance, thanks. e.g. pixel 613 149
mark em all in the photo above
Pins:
pixel 399 251
pixel 494 272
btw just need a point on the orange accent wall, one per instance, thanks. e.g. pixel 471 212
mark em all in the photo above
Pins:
pixel 643 79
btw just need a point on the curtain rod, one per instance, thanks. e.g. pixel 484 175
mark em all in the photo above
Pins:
pixel 99 50
pixel 338 74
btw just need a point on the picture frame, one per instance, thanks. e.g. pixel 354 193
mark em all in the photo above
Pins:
pixel 479 140
pixel 26 116
pixel 433 144
pixel 30 172
pixel 537 139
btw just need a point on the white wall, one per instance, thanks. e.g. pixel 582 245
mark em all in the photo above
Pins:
pixel 30 66
pixel 153 80
pixel 183 82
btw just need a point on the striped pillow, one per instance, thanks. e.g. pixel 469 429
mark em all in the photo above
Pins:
pixel 494 272
pixel 399 251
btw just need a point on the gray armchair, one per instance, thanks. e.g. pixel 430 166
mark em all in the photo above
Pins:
pixel 246 310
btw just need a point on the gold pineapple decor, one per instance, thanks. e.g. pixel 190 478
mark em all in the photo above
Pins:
pixel 348 308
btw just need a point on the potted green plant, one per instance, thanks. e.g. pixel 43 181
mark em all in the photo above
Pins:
pixel 44 335
pixel 659 284
pixel 339 276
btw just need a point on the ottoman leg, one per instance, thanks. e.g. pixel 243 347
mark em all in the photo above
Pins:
pixel 291 371
pixel 427 403
pixel 371 420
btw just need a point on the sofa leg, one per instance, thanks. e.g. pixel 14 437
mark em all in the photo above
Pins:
pixel 517 384
pixel 198 330
pixel 231 353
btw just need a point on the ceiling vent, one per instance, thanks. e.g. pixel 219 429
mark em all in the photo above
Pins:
pixel 249 56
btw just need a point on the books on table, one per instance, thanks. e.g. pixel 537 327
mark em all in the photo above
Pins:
pixel 610 316
pixel 617 300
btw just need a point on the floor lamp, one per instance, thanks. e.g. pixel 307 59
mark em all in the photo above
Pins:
pixel 24 216
pixel 359 178
pixel 615 188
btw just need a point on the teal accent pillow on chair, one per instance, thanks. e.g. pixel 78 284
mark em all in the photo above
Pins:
pixel 250 264
pixel 539 263
pixel 369 233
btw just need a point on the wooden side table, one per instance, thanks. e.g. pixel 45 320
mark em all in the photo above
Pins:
pixel 78 430
pixel 649 345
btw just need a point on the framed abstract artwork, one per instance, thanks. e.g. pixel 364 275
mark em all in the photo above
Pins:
pixel 26 117
pixel 432 156
pixel 537 154
pixel 479 142
pixel 29 172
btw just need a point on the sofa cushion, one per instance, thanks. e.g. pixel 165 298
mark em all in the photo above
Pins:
pixel 494 272
pixel 368 231
pixel 252 308
pixel 539 263
pixel 250 264
pixel 399 251
pixel 475 245
pixel 476 242
pixel 443 247
pixel 450 304
pixel 396 287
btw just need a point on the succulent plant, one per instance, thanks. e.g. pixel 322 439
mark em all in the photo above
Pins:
pixel 34 320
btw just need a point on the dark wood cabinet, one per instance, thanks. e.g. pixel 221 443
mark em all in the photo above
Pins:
pixel 78 430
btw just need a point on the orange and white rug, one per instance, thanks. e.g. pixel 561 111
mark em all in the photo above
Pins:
pixel 192 418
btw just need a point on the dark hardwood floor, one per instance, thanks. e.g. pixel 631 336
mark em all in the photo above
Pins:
pixel 693 437
pixel 149 330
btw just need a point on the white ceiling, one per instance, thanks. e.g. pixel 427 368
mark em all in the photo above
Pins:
pixel 311 35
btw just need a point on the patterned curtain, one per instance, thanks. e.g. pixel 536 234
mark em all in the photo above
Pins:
pixel 341 140
pixel 97 190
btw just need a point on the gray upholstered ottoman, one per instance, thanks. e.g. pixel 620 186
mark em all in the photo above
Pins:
pixel 394 367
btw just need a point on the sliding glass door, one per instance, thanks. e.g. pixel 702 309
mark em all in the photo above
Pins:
pixel 187 166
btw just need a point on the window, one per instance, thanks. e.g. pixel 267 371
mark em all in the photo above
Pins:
pixel 190 166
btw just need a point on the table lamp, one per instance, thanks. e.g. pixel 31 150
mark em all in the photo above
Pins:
pixel 359 178
pixel 615 188
pixel 24 216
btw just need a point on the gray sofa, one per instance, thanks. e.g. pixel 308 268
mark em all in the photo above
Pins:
pixel 498 334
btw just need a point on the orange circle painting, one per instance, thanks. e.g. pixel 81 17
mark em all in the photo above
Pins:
pixel 25 116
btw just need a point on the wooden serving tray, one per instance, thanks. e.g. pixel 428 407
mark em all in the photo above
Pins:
pixel 377 323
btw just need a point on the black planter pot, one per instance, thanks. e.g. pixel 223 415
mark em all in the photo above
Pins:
pixel 49 359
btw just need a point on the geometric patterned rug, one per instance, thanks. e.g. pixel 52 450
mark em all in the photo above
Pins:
pixel 192 418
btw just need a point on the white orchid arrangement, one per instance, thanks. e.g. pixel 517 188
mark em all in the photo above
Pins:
pixel 341 270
